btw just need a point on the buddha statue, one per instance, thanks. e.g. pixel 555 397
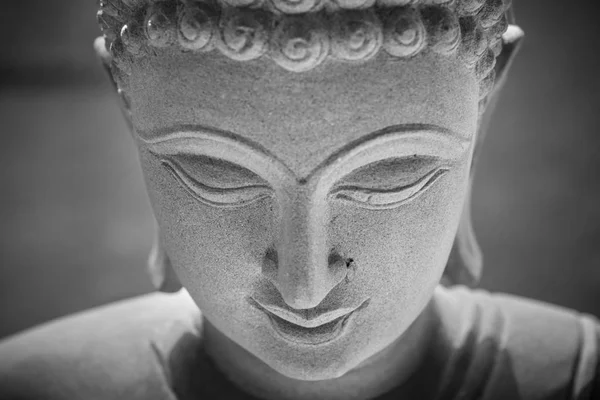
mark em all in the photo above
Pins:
pixel 309 163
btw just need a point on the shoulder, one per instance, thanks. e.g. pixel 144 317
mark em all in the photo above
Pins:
pixel 510 347
pixel 108 352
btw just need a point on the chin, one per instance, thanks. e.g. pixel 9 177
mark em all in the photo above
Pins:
pixel 311 370
pixel 311 374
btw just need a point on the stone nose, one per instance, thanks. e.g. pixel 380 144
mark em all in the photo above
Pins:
pixel 301 264
pixel 304 286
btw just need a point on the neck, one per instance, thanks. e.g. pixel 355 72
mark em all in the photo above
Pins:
pixel 385 371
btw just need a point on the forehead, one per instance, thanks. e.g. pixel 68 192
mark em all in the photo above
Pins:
pixel 302 118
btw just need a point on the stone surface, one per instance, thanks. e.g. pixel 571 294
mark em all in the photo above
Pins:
pixel 281 237
pixel 487 347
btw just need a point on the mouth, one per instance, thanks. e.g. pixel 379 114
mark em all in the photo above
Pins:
pixel 311 328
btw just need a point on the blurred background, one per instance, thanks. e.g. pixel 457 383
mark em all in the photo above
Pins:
pixel 75 224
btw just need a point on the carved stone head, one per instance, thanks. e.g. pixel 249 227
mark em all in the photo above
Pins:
pixel 309 161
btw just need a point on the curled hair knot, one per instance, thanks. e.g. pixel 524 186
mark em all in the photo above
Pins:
pixel 443 29
pixel 356 35
pixel 243 34
pixel 196 27
pixel 299 43
pixel 160 24
pixel 297 6
pixel 404 32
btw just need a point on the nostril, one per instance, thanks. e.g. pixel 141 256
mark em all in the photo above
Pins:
pixel 334 259
pixel 269 265
pixel 271 255
pixel 351 267
pixel 343 269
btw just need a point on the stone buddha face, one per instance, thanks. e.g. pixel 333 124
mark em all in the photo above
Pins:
pixel 308 202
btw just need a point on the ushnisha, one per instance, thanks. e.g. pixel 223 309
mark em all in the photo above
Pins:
pixel 301 35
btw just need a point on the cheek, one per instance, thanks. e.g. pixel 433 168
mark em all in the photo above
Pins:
pixel 216 252
pixel 219 253
pixel 404 249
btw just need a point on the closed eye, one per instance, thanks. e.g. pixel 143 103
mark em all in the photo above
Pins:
pixel 215 196
pixel 383 199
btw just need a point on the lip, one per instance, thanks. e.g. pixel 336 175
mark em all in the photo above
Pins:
pixel 309 326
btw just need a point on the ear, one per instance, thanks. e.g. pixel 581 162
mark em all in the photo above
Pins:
pixel 161 271
pixel 511 43
pixel 105 58
pixel 466 260
pixel 107 62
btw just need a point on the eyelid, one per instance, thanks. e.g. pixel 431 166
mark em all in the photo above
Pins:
pixel 214 196
pixel 382 199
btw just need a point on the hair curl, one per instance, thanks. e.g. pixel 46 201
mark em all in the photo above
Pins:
pixel 299 35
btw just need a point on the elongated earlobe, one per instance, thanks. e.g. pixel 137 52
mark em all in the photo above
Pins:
pixel 511 43
pixel 466 261
pixel 159 266
pixel 161 271
pixel 106 59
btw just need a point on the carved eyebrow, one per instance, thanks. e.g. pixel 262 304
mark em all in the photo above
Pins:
pixel 426 140
pixel 182 132
pixel 171 140
pixel 178 139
